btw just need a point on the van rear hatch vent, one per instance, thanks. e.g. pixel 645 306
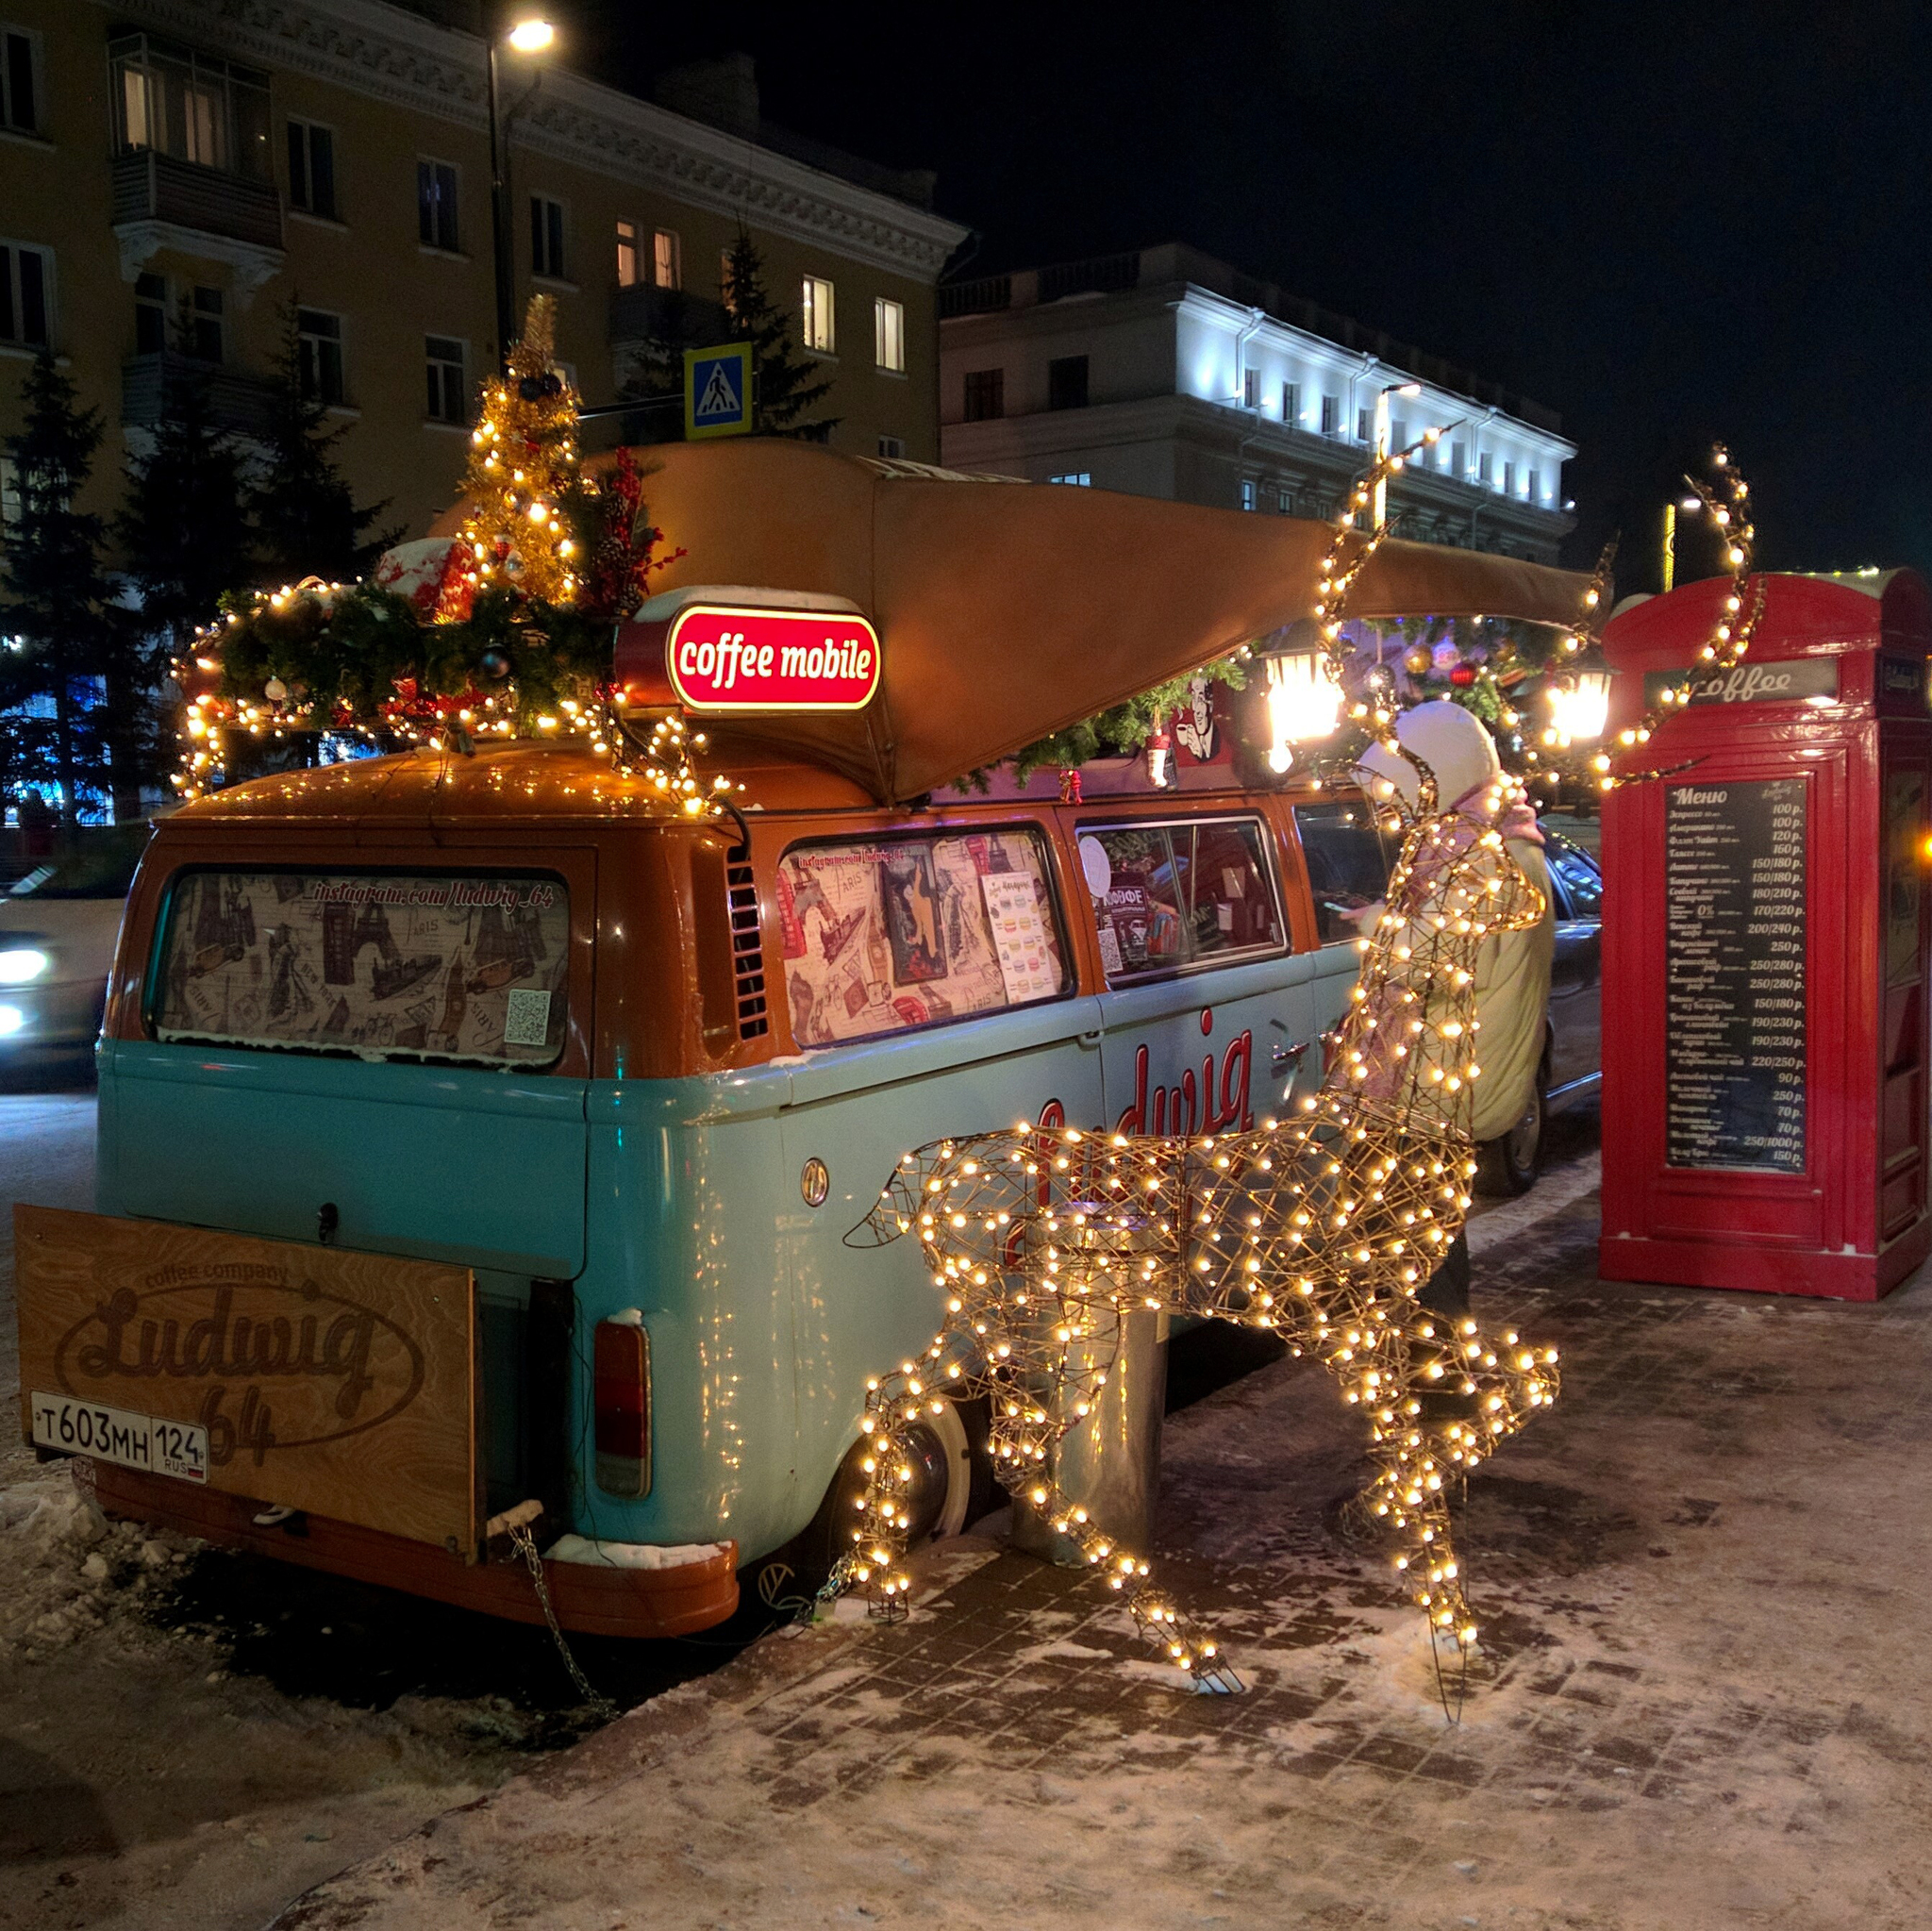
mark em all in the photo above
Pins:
pixel 747 953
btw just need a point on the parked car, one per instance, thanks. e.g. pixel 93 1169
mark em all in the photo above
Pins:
pixel 1571 1070
pixel 57 927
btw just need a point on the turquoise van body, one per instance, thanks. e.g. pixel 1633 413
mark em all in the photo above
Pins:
pixel 684 1201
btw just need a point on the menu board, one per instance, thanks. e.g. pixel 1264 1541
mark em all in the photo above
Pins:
pixel 1734 956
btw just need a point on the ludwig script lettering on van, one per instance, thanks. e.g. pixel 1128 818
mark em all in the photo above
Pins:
pixel 723 658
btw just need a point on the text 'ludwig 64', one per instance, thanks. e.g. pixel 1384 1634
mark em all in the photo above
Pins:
pixel 1765 946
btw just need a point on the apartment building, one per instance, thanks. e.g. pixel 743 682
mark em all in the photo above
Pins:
pixel 1165 372
pixel 175 175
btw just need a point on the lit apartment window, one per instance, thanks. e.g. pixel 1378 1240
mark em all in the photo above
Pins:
pixel 889 334
pixel 1251 389
pixel 892 445
pixel 1080 480
pixel 986 394
pixel 27 287
pixel 627 254
pixel 1331 415
pixel 319 354
pixel 1482 466
pixel 1364 426
pixel 546 238
pixel 1509 480
pixel 1066 382
pixel 725 279
pixel 667 259
pixel 19 109
pixel 448 393
pixel 312 169
pixel 1458 462
pixel 1247 493
pixel 818 319
pixel 436 205
pixel 9 497
pixel 1291 403
pixel 1535 486
pixel 189 104
pixel 206 325
pixel 150 314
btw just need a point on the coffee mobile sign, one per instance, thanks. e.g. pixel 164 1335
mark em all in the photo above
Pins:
pixel 724 659
pixel 307 1376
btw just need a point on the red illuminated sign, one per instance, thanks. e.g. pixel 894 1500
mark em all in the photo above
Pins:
pixel 723 658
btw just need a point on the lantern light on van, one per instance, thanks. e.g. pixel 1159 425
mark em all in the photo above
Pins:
pixel 1579 708
pixel 1304 704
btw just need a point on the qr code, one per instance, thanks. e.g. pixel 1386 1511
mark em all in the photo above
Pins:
pixel 526 1023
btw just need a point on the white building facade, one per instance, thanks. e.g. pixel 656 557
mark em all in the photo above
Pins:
pixel 1165 372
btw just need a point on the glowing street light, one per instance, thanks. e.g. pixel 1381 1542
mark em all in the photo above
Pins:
pixel 1304 705
pixel 1408 389
pixel 532 34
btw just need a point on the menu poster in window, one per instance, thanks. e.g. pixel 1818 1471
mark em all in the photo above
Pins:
pixel 1019 936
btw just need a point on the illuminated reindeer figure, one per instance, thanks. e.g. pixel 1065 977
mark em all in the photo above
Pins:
pixel 1323 1228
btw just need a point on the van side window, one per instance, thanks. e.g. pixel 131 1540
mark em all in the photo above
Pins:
pixel 470 966
pixel 884 934
pixel 1184 892
pixel 1348 857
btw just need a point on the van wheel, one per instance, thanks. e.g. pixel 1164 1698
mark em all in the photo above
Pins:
pixel 1507 1166
pixel 942 1490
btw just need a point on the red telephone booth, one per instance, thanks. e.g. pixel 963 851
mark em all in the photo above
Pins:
pixel 1765 971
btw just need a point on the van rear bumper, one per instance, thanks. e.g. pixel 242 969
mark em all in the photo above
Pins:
pixel 588 1601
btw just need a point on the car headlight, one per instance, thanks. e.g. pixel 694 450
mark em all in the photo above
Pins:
pixel 11 1019
pixel 22 964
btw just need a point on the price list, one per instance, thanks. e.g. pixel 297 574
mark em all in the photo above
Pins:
pixel 1734 955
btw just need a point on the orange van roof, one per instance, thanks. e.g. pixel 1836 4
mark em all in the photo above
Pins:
pixel 1010 611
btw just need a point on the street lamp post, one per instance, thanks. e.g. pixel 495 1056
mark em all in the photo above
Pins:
pixel 1381 504
pixel 1669 555
pixel 528 36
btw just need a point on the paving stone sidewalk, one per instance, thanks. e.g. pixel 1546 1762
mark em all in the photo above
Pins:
pixel 1702 1701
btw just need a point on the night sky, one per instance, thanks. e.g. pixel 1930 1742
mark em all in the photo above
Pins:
pixel 1670 223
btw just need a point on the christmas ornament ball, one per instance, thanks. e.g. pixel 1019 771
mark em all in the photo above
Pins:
pixel 1417 661
pixel 1462 676
pixel 274 690
pixel 1445 657
pixel 495 664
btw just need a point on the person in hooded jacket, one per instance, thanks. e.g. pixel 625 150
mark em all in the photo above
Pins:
pixel 1513 975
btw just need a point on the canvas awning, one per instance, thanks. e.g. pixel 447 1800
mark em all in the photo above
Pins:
pixel 1008 610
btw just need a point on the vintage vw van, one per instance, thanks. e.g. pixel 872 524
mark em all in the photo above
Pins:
pixel 478 1134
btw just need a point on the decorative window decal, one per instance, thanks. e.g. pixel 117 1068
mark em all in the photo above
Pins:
pixel 882 935
pixel 467 966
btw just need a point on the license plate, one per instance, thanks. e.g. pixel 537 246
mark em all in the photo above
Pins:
pixel 119 1435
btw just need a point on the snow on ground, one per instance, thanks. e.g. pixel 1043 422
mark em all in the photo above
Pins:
pixel 1700 1700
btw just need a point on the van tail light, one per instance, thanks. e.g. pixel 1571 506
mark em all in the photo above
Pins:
pixel 620 1397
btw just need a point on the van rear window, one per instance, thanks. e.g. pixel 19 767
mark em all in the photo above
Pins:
pixel 882 934
pixel 468 966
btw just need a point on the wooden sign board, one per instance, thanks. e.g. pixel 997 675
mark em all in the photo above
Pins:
pixel 322 1379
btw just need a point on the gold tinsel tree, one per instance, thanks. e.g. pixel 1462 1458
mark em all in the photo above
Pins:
pixel 522 465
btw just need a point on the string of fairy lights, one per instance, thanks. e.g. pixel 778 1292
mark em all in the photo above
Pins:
pixel 522 462
pixel 1324 1229
pixel 1727 505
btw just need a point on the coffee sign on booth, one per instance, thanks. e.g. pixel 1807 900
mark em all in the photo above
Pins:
pixel 723 658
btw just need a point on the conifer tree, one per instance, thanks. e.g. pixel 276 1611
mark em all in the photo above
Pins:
pixel 307 522
pixel 184 529
pixel 58 603
pixel 521 477
pixel 783 384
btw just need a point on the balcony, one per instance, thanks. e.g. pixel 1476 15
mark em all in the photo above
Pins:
pixel 241 404
pixel 153 187
pixel 644 313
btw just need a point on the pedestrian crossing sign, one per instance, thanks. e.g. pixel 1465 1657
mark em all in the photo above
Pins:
pixel 717 390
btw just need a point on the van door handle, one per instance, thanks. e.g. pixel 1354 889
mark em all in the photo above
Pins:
pixel 1285 1059
pixel 1093 1039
